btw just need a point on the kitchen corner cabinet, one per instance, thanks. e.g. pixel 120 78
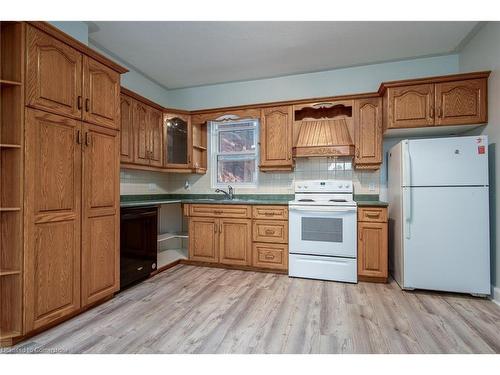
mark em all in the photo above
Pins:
pixel 276 139
pixel 372 244
pixel 368 133
pixel 178 140
pixel 62 80
pixel 450 100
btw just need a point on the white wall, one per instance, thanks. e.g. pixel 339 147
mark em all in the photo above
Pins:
pixel 483 53
pixel 353 80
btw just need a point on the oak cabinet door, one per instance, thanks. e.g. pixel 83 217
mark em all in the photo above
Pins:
pixel 410 106
pixel 368 132
pixel 101 92
pixel 235 241
pixel 101 221
pixel 141 134
pixel 126 130
pixel 461 102
pixel 52 216
pixel 178 140
pixel 276 138
pixel 53 75
pixel 372 249
pixel 155 122
pixel 203 239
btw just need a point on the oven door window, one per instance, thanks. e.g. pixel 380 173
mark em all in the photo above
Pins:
pixel 322 229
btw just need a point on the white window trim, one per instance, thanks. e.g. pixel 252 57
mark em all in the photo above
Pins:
pixel 214 147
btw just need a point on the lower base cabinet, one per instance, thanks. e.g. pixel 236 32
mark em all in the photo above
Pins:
pixel 239 240
pixel 372 244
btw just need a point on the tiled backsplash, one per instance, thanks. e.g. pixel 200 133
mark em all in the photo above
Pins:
pixel 365 182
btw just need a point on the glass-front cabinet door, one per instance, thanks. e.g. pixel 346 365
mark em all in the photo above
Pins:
pixel 177 140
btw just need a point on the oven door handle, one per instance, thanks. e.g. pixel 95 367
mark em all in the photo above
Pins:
pixel 323 209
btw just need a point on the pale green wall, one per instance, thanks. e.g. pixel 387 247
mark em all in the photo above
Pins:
pixel 77 29
pixel 354 80
pixel 483 53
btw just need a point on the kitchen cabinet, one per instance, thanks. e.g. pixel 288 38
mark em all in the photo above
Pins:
pixel 459 99
pixel 126 129
pixel 372 244
pixel 155 133
pixel 178 140
pixel 64 81
pixel 235 241
pixel 461 102
pixel 101 221
pixel 410 106
pixel 368 133
pixel 101 93
pixel 226 234
pixel 276 139
pixel 141 134
pixel 53 175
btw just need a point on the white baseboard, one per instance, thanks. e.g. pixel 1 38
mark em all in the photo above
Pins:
pixel 496 295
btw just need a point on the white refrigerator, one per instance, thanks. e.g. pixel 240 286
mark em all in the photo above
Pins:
pixel 439 214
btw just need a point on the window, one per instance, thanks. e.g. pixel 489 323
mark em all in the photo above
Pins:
pixel 234 153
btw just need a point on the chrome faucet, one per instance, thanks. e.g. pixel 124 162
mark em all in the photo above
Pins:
pixel 228 193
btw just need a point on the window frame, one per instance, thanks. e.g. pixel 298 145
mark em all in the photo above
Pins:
pixel 215 153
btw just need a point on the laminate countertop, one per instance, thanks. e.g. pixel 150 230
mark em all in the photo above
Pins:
pixel 256 199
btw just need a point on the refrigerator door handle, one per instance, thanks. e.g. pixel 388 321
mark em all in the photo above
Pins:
pixel 406 165
pixel 407 211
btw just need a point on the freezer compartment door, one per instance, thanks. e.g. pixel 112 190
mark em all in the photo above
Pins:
pixel 323 268
pixel 452 161
pixel 446 246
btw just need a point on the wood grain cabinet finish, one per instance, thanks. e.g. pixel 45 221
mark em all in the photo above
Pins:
pixel 203 239
pixel 274 231
pixel 276 138
pixel 235 241
pixel 53 178
pixel 155 134
pixel 126 129
pixel 372 244
pixel 141 133
pixel 270 212
pixel 410 106
pixel 368 133
pixel 221 210
pixel 461 102
pixel 101 221
pixel 270 256
pixel 101 93
pixel 54 75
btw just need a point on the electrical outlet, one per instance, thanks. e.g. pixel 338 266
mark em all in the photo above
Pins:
pixel 187 186
pixel 371 186
pixel 151 187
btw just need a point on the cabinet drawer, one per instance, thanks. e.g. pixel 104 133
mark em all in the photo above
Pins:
pixel 273 256
pixel 273 231
pixel 378 214
pixel 270 212
pixel 220 210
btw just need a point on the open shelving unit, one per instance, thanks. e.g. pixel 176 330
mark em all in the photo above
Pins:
pixel 11 179
pixel 199 132
pixel 172 239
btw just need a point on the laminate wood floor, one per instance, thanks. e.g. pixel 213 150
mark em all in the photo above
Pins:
pixel 189 309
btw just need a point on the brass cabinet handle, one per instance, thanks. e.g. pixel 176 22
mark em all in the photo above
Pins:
pixel 87 139
pixel 357 152
pixel 270 231
pixel 269 256
pixel 79 137
pixel 431 112
pixel 440 111
pixel 218 212
pixel 87 104
pixel 220 228
pixel 377 214
pixel 215 228
pixel 269 213
pixel 79 102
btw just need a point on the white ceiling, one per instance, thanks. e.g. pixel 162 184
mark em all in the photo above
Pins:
pixel 185 54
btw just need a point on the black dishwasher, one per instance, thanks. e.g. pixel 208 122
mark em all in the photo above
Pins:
pixel 138 243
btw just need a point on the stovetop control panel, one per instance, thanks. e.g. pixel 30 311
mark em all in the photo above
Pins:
pixel 323 186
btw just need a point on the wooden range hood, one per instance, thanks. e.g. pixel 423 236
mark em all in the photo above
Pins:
pixel 323 129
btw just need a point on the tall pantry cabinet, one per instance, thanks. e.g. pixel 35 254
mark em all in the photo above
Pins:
pixel 71 179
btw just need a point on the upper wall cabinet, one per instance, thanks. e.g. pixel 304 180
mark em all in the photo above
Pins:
pixel 461 102
pixel 368 133
pixel 127 130
pixel 276 139
pixel 64 81
pixel 449 100
pixel 177 140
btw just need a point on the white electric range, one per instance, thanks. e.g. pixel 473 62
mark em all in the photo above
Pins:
pixel 322 231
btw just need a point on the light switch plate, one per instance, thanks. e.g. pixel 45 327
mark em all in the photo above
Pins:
pixel 371 186
pixel 151 187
